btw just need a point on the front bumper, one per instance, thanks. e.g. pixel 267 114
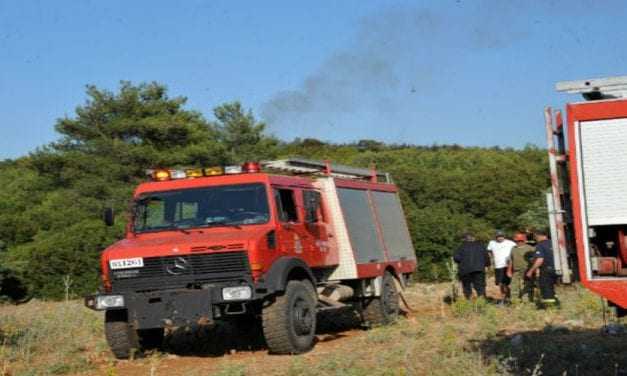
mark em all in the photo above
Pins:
pixel 180 307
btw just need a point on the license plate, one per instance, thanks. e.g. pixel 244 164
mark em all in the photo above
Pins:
pixel 128 263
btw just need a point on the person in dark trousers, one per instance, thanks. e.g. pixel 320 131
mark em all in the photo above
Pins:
pixel 543 261
pixel 472 258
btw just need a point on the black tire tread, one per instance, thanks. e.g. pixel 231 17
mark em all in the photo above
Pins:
pixel 373 312
pixel 274 319
pixel 120 339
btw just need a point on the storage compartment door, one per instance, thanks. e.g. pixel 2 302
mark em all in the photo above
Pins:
pixel 361 225
pixel 393 225
pixel 604 167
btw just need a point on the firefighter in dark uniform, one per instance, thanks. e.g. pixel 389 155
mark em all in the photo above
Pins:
pixel 472 258
pixel 543 261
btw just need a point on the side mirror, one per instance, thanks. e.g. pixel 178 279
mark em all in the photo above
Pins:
pixel 108 217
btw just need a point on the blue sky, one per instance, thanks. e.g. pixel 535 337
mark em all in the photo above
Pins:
pixel 424 72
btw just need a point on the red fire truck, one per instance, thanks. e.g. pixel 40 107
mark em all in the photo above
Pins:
pixel 589 199
pixel 276 242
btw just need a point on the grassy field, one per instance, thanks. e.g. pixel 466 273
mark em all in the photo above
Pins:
pixel 462 338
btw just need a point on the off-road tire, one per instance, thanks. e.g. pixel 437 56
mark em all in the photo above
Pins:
pixel 150 339
pixel 382 310
pixel 289 323
pixel 121 337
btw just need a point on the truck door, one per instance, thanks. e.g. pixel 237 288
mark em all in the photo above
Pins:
pixel 315 224
pixel 292 235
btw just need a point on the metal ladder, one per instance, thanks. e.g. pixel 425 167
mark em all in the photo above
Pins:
pixel 596 88
pixel 311 167
pixel 558 201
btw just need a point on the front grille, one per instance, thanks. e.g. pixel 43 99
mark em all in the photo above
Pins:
pixel 167 272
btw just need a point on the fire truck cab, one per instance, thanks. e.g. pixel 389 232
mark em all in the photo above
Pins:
pixel 277 242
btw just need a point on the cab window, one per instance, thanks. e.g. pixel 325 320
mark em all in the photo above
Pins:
pixel 286 205
pixel 311 200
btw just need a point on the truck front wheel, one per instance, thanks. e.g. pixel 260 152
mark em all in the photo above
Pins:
pixel 382 310
pixel 289 323
pixel 121 337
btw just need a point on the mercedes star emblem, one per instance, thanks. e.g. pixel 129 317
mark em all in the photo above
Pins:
pixel 179 266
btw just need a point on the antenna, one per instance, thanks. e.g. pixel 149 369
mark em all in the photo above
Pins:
pixel 596 88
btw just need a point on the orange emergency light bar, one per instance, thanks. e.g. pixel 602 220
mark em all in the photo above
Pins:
pixel 166 174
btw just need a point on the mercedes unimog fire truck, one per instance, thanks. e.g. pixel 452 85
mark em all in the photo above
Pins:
pixel 588 205
pixel 277 241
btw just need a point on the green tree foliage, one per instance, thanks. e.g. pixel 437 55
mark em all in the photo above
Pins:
pixel 51 201
pixel 241 135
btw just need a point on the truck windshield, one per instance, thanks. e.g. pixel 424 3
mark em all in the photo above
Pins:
pixel 235 205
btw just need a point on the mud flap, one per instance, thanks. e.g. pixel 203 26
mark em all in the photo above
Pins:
pixel 401 293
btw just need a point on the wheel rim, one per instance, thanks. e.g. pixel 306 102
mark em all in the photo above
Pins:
pixel 302 317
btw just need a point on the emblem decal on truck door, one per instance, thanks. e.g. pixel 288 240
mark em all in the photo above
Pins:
pixel 298 245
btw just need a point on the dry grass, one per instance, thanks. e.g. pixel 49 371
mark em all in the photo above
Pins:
pixel 44 338
pixel 469 338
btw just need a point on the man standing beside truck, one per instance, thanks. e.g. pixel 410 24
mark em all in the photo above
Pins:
pixel 472 259
pixel 543 261
pixel 521 261
pixel 501 249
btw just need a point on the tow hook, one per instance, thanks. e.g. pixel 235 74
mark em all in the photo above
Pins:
pixel 232 309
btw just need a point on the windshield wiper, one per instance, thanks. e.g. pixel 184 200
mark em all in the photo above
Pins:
pixel 183 230
pixel 222 224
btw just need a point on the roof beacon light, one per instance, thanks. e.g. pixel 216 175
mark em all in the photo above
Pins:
pixel 194 173
pixel 233 169
pixel 213 171
pixel 251 167
pixel 161 175
pixel 177 174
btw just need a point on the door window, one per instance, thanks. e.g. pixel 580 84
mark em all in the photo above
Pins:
pixel 311 200
pixel 286 206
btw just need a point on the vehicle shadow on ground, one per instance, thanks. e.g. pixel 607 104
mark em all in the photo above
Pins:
pixel 557 350
pixel 247 335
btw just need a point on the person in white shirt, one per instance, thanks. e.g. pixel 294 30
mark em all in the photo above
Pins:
pixel 501 249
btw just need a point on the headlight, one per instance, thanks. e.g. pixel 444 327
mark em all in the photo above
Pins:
pixel 109 301
pixel 237 293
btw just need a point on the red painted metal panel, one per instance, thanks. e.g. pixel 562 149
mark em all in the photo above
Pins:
pixel 377 269
pixel 614 290
pixel 200 182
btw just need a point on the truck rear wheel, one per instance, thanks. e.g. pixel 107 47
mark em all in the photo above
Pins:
pixel 289 323
pixel 121 337
pixel 382 310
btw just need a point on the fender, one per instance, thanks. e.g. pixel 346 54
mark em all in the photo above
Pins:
pixel 276 277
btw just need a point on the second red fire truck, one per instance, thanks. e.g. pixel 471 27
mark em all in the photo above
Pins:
pixel 588 156
pixel 277 245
